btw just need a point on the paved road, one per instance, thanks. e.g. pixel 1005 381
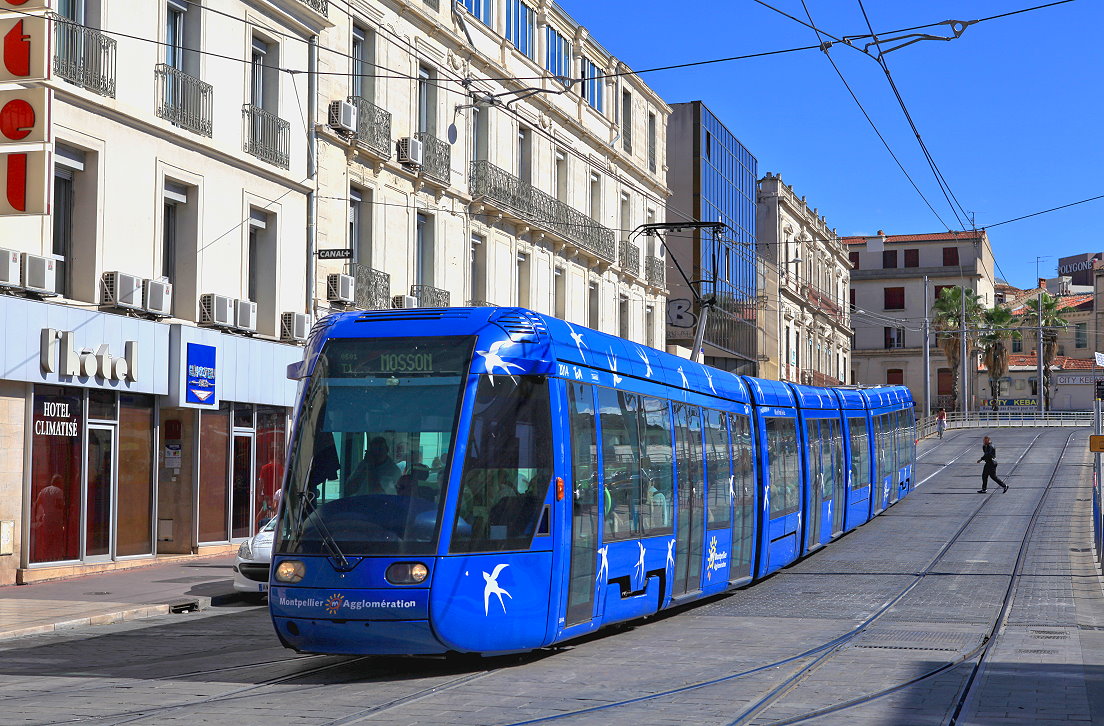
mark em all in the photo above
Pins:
pixel 792 645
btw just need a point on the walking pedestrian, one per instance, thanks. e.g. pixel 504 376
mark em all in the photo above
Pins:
pixel 989 471
pixel 941 421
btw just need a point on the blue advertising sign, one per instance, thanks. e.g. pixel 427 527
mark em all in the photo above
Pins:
pixel 200 384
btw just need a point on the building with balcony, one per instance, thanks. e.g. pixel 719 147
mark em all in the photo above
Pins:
pixel 712 178
pixel 458 186
pixel 805 324
pixel 889 302
pixel 143 392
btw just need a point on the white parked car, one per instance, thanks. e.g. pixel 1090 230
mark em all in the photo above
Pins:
pixel 254 562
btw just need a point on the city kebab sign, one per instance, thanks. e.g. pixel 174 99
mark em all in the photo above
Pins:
pixel 24 113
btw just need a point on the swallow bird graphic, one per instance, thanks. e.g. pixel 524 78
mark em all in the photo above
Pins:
pixel 492 358
pixel 578 338
pixel 603 567
pixel 493 588
pixel 644 357
pixel 671 552
pixel 640 561
pixel 709 378
pixel 612 360
pixel 685 383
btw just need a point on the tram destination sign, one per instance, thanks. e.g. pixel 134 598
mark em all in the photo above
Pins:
pixel 335 254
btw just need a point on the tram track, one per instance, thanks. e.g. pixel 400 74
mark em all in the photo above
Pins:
pixel 820 654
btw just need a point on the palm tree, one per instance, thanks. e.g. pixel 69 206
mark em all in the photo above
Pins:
pixel 997 328
pixel 1045 314
pixel 948 321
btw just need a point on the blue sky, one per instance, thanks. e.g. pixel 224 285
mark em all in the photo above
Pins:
pixel 1011 111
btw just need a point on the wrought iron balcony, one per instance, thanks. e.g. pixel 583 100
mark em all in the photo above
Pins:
pixel 436 157
pixel 373 288
pixel 655 271
pixel 266 136
pixel 83 56
pixel 373 126
pixel 531 204
pixel 429 296
pixel 435 4
pixel 184 101
pixel 629 258
pixel 321 6
pixel 481 304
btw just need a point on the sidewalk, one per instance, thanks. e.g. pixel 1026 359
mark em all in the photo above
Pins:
pixel 192 584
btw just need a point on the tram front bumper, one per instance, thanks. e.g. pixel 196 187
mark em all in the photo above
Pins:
pixel 358 637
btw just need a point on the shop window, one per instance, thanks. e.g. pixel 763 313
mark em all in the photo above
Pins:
pixel 134 526
pixel 56 459
pixel 214 490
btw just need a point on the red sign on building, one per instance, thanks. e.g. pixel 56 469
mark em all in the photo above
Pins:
pixel 24 187
pixel 25 116
pixel 24 48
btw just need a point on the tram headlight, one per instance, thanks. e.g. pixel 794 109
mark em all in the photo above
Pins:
pixel 290 571
pixel 407 573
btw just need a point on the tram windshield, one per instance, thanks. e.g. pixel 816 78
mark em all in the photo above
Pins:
pixel 371 455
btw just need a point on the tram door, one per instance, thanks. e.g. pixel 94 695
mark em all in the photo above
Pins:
pixel 743 522
pixel 584 505
pixel 689 523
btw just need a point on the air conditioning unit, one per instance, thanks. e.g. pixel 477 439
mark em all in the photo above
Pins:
pixel 343 117
pixel 294 327
pixel 245 315
pixel 9 268
pixel 38 274
pixel 121 290
pixel 340 288
pixel 216 311
pixel 404 301
pixel 410 151
pixel 157 297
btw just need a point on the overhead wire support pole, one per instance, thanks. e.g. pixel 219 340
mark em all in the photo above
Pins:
pixel 1039 357
pixel 927 352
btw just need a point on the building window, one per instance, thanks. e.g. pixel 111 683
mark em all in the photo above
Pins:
pixel 519 26
pixel 592 305
pixel 478 266
pixel 894 298
pixel 889 259
pixel 262 265
pixel 174 34
pixel 64 203
pixel 362 82
pixel 854 258
pixel 427 101
pixel 944 382
pixel 851 294
pixel 649 325
pixel 360 226
pixel 525 155
pixel 478 134
pixel 623 316
pixel 176 200
pixel 595 196
pixel 895 377
pixel 1017 345
pixel 262 78
pixel 557 54
pixel 940 288
pixel 912 258
pixel 523 280
pixel 652 142
pixel 626 215
pixel 950 256
pixel 592 85
pixel 559 293
pixel 481 9
pixel 626 121
pixel 1081 335
pixel 894 337
pixel 559 171
pixel 423 250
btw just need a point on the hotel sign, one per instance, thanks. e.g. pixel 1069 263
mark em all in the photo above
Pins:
pixel 66 360
pixel 25 54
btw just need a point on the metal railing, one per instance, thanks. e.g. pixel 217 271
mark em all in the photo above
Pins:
pixel 532 205
pixel 629 257
pixel 435 4
pixel 655 271
pixel 1003 419
pixel 184 101
pixel 321 6
pixel 429 296
pixel 266 136
pixel 83 56
pixel 436 157
pixel 373 126
pixel 481 304
pixel 373 288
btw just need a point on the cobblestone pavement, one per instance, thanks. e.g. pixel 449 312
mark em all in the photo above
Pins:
pixel 704 665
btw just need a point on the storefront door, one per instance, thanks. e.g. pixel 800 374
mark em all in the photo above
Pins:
pixel 99 495
pixel 242 478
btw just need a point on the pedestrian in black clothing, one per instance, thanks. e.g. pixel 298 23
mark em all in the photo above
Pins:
pixel 989 471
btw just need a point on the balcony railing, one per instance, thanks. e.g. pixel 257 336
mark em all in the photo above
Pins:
pixel 184 101
pixel 629 257
pixel 481 304
pixel 83 56
pixel 436 157
pixel 429 296
pixel 321 6
pixel 373 288
pixel 823 301
pixel 533 205
pixel 655 271
pixel 266 136
pixel 373 126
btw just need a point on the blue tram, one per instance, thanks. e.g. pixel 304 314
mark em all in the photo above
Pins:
pixel 491 480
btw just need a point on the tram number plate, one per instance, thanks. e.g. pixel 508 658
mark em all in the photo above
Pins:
pixel 1096 444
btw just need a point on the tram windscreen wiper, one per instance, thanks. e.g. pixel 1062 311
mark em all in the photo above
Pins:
pixel 323 531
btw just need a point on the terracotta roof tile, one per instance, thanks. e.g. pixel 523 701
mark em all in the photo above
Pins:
pixel 930 237
pixel 1065 302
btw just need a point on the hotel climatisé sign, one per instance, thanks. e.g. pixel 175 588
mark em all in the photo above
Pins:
pixel 58 354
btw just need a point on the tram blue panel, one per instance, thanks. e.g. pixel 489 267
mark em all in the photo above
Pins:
pixel 717 562
pixel 814 397
pixel 492 602
pixel 782 549
pixel 359 637
pixel 630 566
pixel 346 603
pixel 769 393
pixel 850 399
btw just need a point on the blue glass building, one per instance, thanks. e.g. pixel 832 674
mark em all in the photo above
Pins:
pixel 713 179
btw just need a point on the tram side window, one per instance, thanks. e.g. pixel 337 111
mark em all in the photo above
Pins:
pixel 743 463
pixel 785 466
pixel 657 466
pixel 507 466
pixel 860 454
pixel 717 468
pixel 688 453
pixel 817 470
pixel 618 411
pixel 584 451
pixel 836 436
